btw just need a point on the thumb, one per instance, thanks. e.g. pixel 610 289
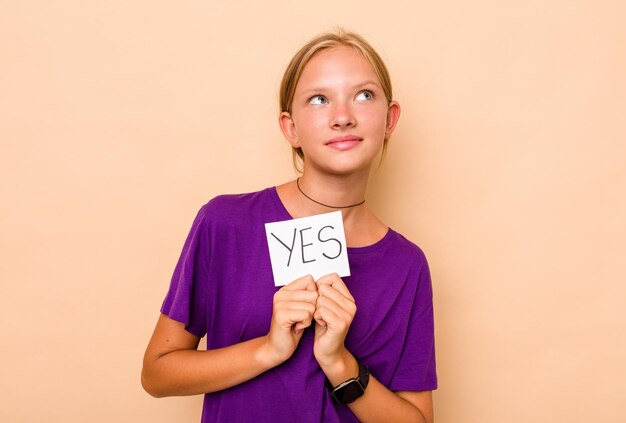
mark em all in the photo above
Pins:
pixel 311 285
pixel 304 282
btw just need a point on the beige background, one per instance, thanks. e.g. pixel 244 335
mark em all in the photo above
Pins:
pixel 119 119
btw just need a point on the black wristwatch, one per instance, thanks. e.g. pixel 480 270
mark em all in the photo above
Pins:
pixel 351 389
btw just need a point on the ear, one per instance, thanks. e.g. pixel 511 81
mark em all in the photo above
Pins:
pixel 393 114
pixel 288 126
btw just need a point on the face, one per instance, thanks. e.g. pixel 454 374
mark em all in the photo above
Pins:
pixel 340 116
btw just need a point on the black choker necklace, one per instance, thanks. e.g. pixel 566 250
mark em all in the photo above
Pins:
pixel 326 205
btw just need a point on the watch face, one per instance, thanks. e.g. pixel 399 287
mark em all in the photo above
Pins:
pixel 349 392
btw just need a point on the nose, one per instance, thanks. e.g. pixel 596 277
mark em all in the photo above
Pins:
pixel 343 116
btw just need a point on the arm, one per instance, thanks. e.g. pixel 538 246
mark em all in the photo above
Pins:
pixel 334 314
pixel 172 364
pixel 378 403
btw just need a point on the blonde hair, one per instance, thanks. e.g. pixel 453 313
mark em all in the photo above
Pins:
pixel 324 41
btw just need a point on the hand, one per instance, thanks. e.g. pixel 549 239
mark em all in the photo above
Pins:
pixel 293 309
pixel 334 313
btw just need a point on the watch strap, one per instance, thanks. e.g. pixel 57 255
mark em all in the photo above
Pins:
pixel 352 389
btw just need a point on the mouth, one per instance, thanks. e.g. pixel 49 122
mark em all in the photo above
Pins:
pixel 345 142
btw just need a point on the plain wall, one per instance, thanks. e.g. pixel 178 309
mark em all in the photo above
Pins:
pixel 119 119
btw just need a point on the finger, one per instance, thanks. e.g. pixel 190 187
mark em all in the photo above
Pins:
pixel 302 325
pixel 311 285
pixel 331 320
pixel 299 295
pixel 287 318
pixel 300 283
pixel 319 318
pixel 338 310
pixel 336 282
pixel 300 305
pixel 344 302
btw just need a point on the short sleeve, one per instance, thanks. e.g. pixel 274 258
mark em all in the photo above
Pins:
pixel 186 298
pixel 416 370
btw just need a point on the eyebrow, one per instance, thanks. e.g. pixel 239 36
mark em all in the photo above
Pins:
pixel 357 86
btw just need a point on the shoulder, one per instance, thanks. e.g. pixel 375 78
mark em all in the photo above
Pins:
pixel 405 250
pixel 412 264
pixel 227 207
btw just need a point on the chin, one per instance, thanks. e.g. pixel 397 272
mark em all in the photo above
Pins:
pixel 346 165
pixel 347 169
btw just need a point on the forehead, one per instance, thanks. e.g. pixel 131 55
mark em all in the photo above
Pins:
pixel 335 65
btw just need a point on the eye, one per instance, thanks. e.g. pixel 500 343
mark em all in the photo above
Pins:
pixel 318 99
pixel 365 95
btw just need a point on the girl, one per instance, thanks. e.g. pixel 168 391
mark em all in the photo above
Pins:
pixel 303 353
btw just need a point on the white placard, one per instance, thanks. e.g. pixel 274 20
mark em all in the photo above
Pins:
pixel 314 245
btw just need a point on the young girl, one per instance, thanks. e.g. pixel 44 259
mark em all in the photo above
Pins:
pixel 359 348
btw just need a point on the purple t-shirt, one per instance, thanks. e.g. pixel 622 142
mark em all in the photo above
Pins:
pixel 223 287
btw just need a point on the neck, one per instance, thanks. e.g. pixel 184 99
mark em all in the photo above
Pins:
pixel 324 193
pixel 330 206
pixel 362 227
